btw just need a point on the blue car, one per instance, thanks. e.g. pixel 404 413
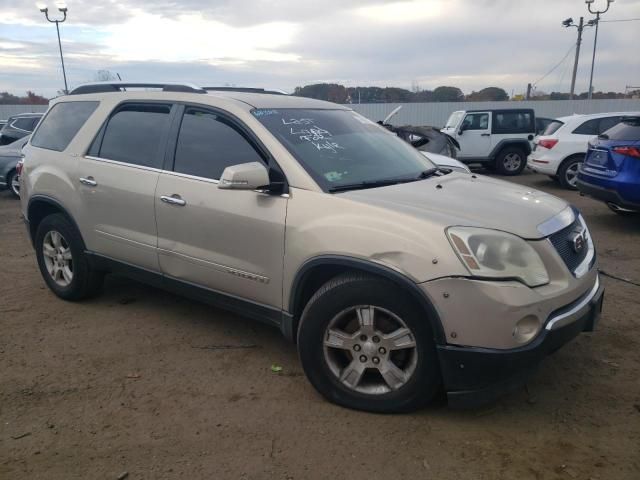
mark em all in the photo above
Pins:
pixel 611 169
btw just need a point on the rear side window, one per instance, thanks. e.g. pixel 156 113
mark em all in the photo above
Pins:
pixel 208 143
pixel 552 127
pixel 134 134
pixel 628 130
pixel 513 122
pixel 596 126
pixel 61 124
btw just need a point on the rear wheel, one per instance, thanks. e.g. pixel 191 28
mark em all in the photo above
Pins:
pixel 364 345
pixel 568 172
pixel 62 262
pixel 13 181
pixel 511 161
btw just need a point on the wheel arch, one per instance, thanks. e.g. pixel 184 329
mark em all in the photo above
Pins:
pixel 516 142
pixel 317 271
pixel 41 206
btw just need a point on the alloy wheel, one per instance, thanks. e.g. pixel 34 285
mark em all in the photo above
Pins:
pixel 58 258
pixel 370 350
pixel 571 174
pixel 512 161
pixel 15 185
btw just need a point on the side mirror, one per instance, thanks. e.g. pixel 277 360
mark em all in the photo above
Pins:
pixel 244 176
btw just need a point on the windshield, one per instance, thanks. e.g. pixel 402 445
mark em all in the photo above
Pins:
pixel 341 147
pixel 454 119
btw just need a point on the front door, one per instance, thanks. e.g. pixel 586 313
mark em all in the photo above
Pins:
pixel 118 178
pixel 475 139
pixel 230 241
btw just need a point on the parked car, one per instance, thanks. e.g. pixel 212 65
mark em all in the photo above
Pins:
pixel 560 150
pixel 611 170
pixel 395 278
pixel 19 126
pixel 542 123
pixel 9 157
pixel 499 139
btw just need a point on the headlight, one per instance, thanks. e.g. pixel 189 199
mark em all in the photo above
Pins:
pixel 494 254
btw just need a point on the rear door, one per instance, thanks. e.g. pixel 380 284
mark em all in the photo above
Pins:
pixel 230 241
pixel 475 136
pixel 118 178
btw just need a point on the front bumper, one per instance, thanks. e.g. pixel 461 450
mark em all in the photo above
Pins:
pixel 473 375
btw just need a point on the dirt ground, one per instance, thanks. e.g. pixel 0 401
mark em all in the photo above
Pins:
pixel 124 384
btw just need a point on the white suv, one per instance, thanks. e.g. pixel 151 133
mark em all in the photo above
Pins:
pixel 560 149
pixel 498 139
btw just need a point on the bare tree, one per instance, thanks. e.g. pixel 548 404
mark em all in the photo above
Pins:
pixel 104 76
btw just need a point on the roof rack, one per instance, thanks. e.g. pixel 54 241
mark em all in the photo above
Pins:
pixel 244 89
pixel 103 87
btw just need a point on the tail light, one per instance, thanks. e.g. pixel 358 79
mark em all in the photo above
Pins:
pixel 19 167
pixel 548 143
pixel 628 151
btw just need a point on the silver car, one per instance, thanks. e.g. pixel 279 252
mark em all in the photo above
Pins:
pixel 395 278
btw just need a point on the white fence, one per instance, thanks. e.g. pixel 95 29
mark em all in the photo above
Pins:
pixel 436 114
pixel 8 110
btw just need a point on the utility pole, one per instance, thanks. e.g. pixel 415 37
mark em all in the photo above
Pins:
pixel 569 23
pixel 596 22
pixel 575 63
pixel 528 97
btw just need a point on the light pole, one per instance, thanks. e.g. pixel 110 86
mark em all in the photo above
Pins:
pixel 595 22
pixel 63 9
pixel 569 23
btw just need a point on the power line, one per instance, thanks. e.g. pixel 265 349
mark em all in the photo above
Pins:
pixel 621 20
pixel 556 66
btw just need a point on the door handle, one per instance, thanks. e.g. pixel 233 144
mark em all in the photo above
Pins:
pixel 173 200
pixel 485 134
pixel 88 181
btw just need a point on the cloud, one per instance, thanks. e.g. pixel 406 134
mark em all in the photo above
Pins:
pixel 285 43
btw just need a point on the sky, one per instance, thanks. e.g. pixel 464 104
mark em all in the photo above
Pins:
pixel 282 44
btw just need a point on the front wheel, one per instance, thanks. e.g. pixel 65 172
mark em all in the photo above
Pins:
pixel 511 161
pixel 364 345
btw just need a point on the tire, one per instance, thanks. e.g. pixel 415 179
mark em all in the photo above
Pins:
pixel 13 180
pixel 75 280
pixel 511 161
pixel 568 171
pixel 335 372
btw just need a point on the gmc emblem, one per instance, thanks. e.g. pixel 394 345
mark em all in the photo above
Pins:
pixel 578 240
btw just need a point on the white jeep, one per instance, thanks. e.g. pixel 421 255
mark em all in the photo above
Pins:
pixel 499 139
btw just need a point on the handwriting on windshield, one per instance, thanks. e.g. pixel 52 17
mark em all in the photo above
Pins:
pixel 319 137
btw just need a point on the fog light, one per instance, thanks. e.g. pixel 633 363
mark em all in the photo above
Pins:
pixel 526 329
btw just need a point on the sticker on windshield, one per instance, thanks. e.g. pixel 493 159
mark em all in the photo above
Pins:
pixel 334 176
pixel 263 112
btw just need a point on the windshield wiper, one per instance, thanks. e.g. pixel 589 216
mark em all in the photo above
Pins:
pixel 384 182
pixel 365 184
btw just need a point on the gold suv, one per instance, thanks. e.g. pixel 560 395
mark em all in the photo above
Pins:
pixel 395 278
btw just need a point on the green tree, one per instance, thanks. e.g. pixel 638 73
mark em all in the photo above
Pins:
pixel 489 94
pixel 448 94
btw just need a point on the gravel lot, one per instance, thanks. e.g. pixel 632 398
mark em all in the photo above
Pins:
pixel 125 383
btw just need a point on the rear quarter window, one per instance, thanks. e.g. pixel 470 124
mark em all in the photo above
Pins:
pixel 62 124
pixel 552 128
pixel 513 122
pixel 627 130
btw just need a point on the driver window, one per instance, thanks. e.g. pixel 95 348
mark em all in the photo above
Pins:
pixel 208 143
pixel 476 121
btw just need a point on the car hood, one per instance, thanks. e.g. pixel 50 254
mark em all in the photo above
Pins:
pixel 469 200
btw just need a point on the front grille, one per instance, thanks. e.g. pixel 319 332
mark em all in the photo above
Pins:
pixel 562 241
